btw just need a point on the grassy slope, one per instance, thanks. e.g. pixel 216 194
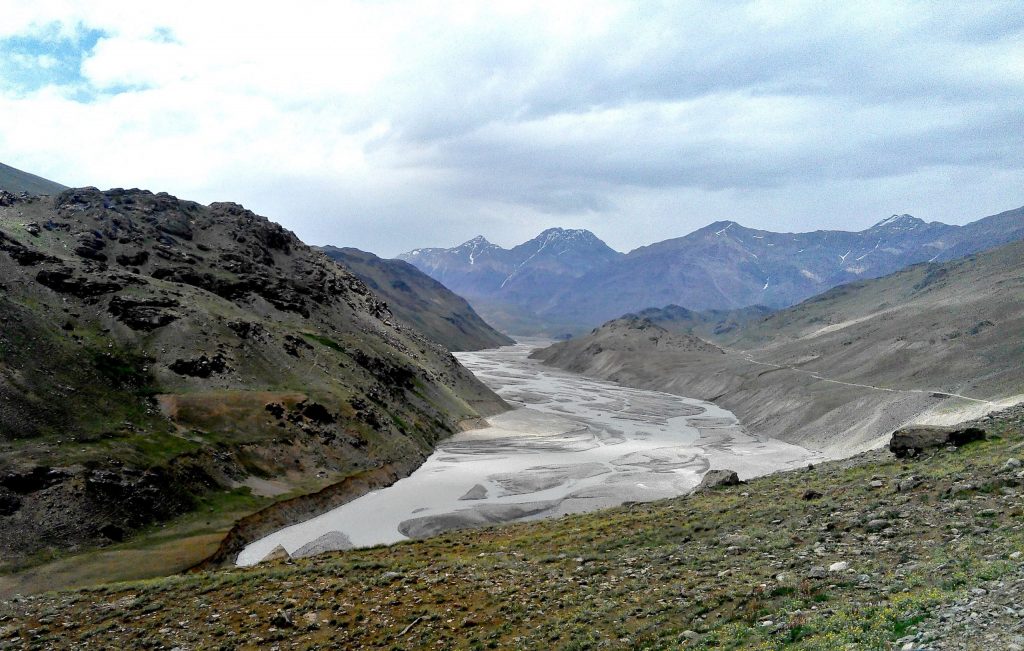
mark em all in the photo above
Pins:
pixel 725 570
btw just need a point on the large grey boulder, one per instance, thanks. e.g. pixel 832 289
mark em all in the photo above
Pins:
pixel 331 541
pixel 910 441
pixel 715 478
pixel 278 553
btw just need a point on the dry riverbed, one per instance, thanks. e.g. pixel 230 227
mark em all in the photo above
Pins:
pixel 573 444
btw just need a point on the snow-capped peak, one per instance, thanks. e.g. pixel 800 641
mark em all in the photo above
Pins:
pixel 899 221
pixel 478 241
pixel 566 234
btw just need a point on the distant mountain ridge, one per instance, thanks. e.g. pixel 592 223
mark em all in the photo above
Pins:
pixel 557 282
pixel 16 181
pixel 522 274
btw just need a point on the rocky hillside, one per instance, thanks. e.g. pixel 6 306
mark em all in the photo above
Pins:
pixel 933 343
pixel 723 266
pixel 873 552
pixel 420 301
pixel 158 357
pixel 16 182
pixel 709 324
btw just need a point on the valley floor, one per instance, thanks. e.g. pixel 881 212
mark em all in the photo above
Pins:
pixel 573 444
pixel 866 553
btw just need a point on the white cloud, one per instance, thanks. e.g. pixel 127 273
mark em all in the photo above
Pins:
pixel 389 125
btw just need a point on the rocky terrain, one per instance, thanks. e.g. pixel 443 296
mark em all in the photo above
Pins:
pixel 16 181
pixel 934 343
pixel 167 368
pixel 873 552
pixel 723 266
pixel 420 301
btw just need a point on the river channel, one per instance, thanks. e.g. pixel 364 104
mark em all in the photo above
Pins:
pixel 571 444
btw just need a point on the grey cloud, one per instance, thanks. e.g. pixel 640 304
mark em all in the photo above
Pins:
pixel 477 118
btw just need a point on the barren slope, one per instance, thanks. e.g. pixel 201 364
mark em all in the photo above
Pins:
pixel 933 343
pixel 15 181
pixel 419 300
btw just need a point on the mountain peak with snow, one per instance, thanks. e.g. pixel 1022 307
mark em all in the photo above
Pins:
pixel 479 240
pixel 899 222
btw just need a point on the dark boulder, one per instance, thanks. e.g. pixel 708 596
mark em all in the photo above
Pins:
pixel 22 254
pixel 201 366
pixel 34 480
pixel 64 281
pixel 10 502
pixel 910 441
pixel 245 329
pixel 90 246
pixel 143 314
pixel 134 259
pixel 316 412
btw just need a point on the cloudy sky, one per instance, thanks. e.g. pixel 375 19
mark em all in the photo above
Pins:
pixel 392 125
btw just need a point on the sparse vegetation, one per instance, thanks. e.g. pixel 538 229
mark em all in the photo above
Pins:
pixel 756 566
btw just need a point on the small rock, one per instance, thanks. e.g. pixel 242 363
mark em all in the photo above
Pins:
pixel 735 540
pixel 841 566
pixel 816 572
pixel 876 483
pixel 478 492
pixel 907 484
pixel 1016 556
pixel 282 619
pixel 811 494
pixel 877 525
pixel 1011 464
pixel 691 635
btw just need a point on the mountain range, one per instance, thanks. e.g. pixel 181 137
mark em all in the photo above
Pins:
pixel 571 281
pixel 937 343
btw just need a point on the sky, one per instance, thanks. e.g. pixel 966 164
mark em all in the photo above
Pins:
pixel 394 124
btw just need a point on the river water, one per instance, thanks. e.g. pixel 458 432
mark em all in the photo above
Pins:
pixel 572 444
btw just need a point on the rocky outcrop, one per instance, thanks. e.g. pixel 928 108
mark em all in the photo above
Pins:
pixel 143 314
pixel 717 478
